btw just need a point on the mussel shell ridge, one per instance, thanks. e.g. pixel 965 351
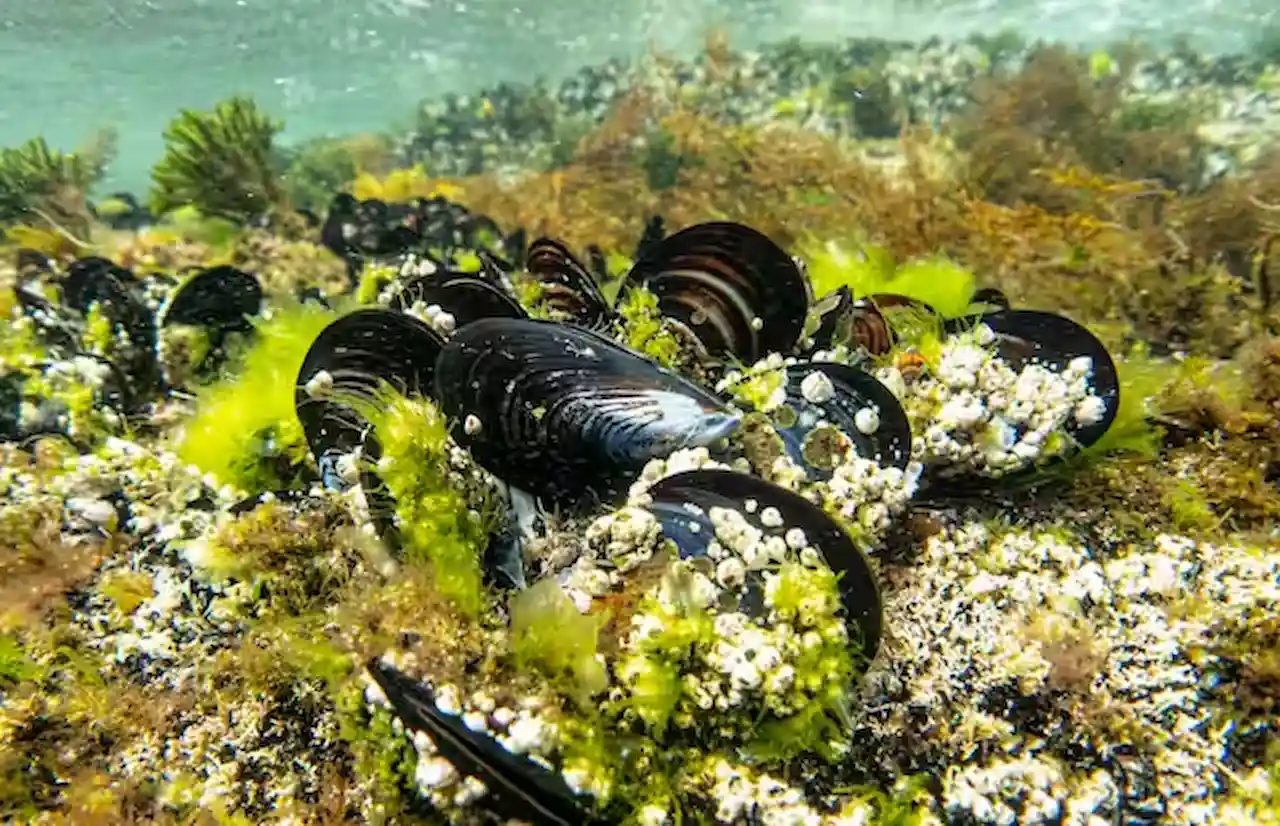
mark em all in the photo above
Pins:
pixel 566 413
pixel 736 290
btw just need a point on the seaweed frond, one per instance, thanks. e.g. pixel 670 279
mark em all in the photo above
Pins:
pixel 38 182
pixel 219 161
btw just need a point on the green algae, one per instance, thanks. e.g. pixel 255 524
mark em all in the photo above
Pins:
pixel 868 270
pixel 643 330
pixel 548 632
pixel 439 523
pixel 243 422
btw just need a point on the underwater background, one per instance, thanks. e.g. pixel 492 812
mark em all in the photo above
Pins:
pixel 646 413
pixel 330 68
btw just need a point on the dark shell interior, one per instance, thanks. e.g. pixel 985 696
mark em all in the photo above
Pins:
pixel 855 390
pixel 1033 336
pixel 565 413
pixel 735 290
pixel 708 488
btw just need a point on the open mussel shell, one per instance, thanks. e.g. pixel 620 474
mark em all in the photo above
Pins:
pixel 465 298
pixel 733 289
pixel 566 413
pixel 346 366
pixel 685 499
pixel 992 297
pixel 517 788
pixel 31 263
pixel 1035 336
pixel 568 287
pixel 860 406
pixel 856 323
pixel 219 299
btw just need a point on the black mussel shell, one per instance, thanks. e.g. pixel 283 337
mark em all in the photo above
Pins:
pixel 135 216
pixel 518 788
pixel 466 299
pixel 888 440
pixel 655 229
pixel 359 352
pixel 495 270
pixel 1027 336
pixel 97 281
pixel 219 299
pixel 565 413
pixel 55 328
pixel 737 292
pixel 354 229
pixel 569 287
pixel 32 262
pixel 991 296
pixel 709 488
pixel 92 281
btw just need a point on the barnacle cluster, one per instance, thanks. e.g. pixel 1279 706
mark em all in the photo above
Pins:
pixel 748 522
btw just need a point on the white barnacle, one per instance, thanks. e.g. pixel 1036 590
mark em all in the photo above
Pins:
pixel 731 573
pixel 867 420
pixel 817 387
pixel 434 773
pixel 795 539
pixel 757 323
pixel 1091 411
pixel 447 699
pixel 471 425
pixel 319 385
pixel 771 518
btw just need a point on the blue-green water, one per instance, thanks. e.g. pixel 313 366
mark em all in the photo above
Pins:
pixel 72 66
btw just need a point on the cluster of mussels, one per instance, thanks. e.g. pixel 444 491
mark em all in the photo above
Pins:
pixel 719 449
pixel 738 486
pixel 114 342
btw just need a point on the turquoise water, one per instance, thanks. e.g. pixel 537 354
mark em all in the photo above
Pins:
pixel 72 66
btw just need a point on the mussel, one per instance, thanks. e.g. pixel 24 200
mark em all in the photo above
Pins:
pixel 728 287
pixel 1034 336
pixel 346 366
pixel 683 503
pixel 517 788
pixel 567 285
pixel 219 299
pixel 457 301
pixel 566 413
pixel 852 401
